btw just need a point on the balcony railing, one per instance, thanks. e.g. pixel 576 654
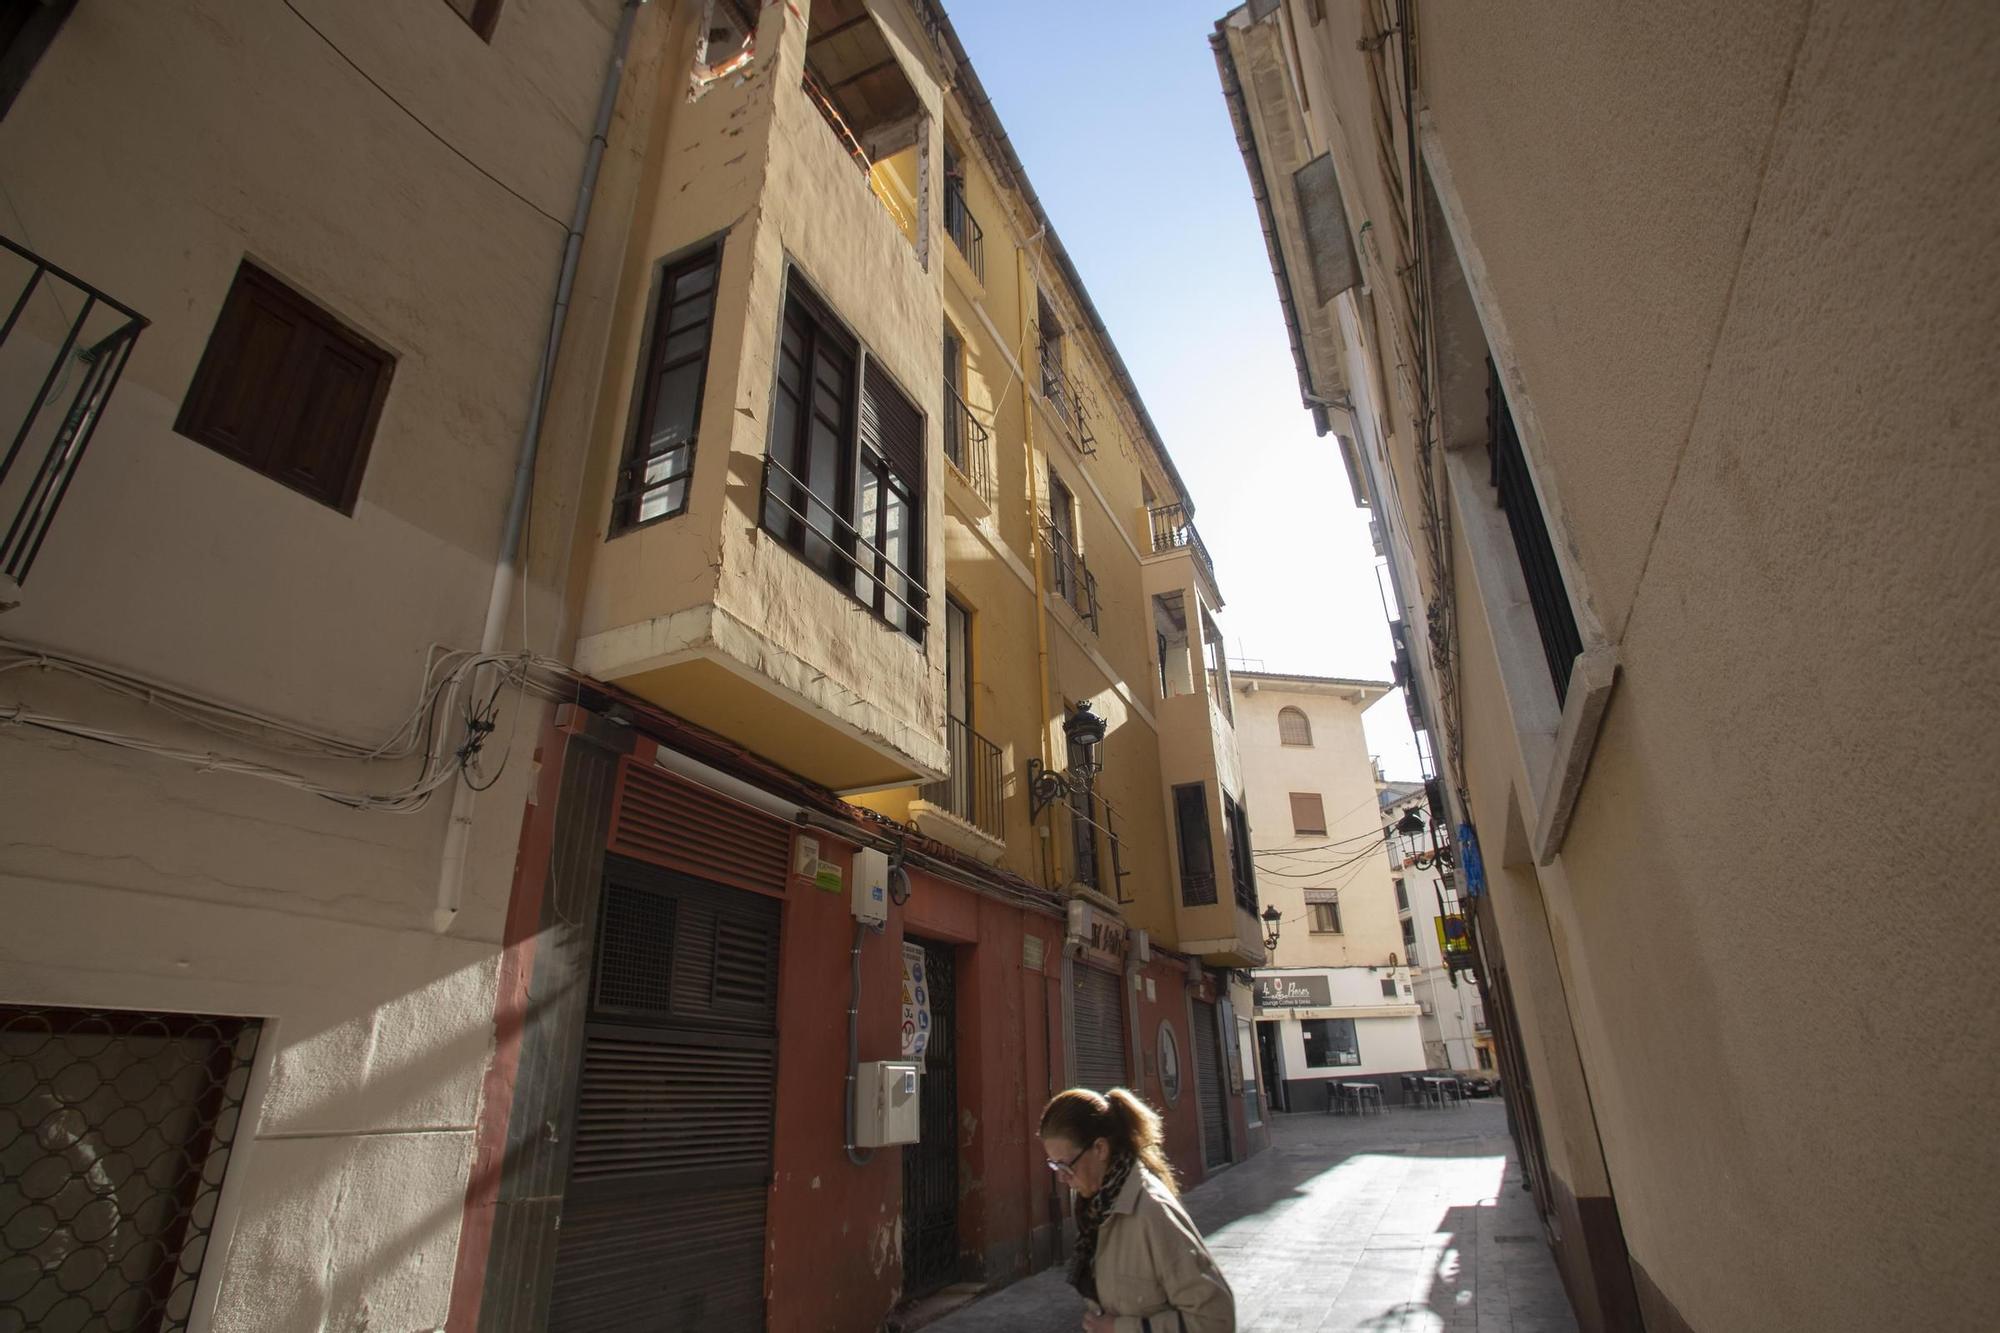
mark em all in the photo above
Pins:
pixel 1060 390
pixel 963 228
pixel 972 790
pixel 968 445
pixel 50 356
pixel 1072 579
pixel 831 545
pixel 1173 531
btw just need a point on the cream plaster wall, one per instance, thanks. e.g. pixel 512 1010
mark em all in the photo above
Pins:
pixel 156 145
pixel 1350 856
pixel 1732 266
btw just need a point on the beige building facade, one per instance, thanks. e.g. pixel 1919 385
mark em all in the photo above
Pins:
pixel 1337 1002
pixel 1635 328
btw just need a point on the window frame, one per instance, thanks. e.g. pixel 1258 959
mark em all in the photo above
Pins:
pixel 1242 872
pixel 1319 802
pixel 1294 711
pixel 1315 922
pixel 483 18
pixel 1196 864
pixel 271 432
pixel 1318 1028
pixel 630 495
pixel 844 562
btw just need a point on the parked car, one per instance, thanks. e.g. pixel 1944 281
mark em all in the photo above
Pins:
pixel 1479 1085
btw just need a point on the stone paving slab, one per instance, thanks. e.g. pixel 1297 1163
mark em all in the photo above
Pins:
pixel 1410 1222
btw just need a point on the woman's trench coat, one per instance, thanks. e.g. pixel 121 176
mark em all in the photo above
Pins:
pixel 1153 1271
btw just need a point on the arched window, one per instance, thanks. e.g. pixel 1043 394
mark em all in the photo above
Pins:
pixel 1293 729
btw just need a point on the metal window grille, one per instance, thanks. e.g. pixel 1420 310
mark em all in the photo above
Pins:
pixel 1548 596
pixel 115 1132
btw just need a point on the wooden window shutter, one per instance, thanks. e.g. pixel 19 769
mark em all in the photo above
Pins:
pixel 1308 813
pixel 891 425
pixel 286 389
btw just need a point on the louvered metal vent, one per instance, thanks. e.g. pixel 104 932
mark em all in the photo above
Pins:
pixel 672 822
pixel 647 1106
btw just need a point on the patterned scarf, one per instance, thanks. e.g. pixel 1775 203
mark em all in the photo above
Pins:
pixel 1089 1218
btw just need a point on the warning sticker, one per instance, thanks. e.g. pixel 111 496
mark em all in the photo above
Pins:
pixel 916 1002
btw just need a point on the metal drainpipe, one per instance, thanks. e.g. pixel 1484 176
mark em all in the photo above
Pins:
pixel 458 831
pixel 1049 860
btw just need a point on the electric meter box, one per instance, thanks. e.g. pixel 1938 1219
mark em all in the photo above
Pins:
pixel 887 1097
pixel 870 900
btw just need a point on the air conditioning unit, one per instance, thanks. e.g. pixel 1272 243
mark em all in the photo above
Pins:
pixel 1142 945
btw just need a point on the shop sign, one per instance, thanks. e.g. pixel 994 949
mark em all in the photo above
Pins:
pixel 1285 992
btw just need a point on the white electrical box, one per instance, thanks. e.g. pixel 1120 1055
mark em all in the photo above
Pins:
pixel 1142 945
pixel 887 1095
pixel 871 886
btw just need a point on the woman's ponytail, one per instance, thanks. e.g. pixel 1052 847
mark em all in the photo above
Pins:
pixel 1138 1132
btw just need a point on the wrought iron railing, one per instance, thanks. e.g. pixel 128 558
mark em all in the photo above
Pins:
pixel 968 445
pixel 62 357
pixel 964 229
pixel 1173 530
pixel 1071 578
pixel 1061 392
pixel 972 790
pixel 841 553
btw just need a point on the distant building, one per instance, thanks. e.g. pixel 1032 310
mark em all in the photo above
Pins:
pixel 1453 1018
pixel 1337 1002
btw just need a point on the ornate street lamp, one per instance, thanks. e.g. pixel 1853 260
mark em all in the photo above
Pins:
pixel 1273 920
pixel 1420 844
pixel 1084 730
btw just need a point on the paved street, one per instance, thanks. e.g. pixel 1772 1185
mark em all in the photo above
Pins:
pixel 1411 1220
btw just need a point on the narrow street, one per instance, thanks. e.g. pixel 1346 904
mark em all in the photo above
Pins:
pixel 1410 1220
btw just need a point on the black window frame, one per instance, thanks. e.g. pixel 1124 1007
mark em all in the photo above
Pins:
pixel 1541 572
pixel 1087 867
pixel 641 452
pixel 1242 873
pixel 1195 840
pixel 24 43
pixel 1317 1036
pixel 841 551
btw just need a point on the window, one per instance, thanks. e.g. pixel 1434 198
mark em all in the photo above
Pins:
pixel 843 483
pixel 1485 1054
pixel 1073 581
pixel 1388 988
pixel 26 29
pixel 1082 825
pixel 1242 875
pixel 118 1130
pixel 1170 638
pixel 954 398
pixel 653 483
pixel 1323 918
pixel 1548 596
pixel 287 390
pixel 481 14
pixel 1402 897
pixel 1294 728
pixel 1218 663
pixel 1330 1042
pixel 1308 813
pixel 1197 849
pixel 959 224
pixel 1409 937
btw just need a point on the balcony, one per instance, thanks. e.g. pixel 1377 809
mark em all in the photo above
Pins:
pixel 49 356
pixel 964 229
pixel 972 793
pixel 1060 391
pixel 1172 530
pixel 1069 577
pixel 968 447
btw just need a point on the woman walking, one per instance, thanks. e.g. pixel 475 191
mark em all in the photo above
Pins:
pixel 1139 1261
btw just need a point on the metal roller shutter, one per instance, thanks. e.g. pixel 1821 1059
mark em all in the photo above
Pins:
pixel 663 1220
pixel 1208 1091
pixel 1100 1029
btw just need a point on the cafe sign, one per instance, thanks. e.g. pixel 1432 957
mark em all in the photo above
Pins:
pixel 1283 992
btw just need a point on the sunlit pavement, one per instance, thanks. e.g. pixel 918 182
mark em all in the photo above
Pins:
pixel 1411 1220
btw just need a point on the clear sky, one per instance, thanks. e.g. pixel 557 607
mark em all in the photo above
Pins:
pixel 1116 110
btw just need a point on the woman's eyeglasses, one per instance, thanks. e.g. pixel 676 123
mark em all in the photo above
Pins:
pixel 1064 1168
